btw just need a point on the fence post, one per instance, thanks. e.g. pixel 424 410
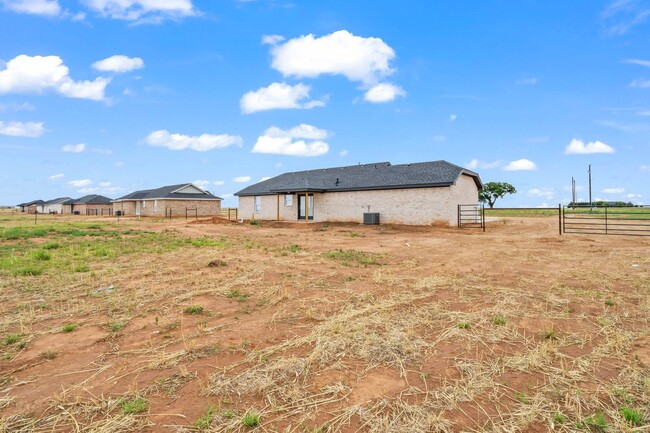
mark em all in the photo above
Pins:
pixel 185 214
pixel 483 217
pixel 458 214
pixel 35 216
pixel 559 218
pixel 605 219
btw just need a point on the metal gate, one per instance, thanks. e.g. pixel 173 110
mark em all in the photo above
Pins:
pixel 607 220
pixel 471 216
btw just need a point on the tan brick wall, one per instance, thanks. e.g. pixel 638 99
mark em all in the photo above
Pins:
pixel 416 206
pixel 157 207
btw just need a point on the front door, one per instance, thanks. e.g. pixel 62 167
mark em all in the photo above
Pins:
pixel 301 207
pixel 137 208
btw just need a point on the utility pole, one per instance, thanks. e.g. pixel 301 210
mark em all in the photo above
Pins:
pixel 573 191
pixel 591 206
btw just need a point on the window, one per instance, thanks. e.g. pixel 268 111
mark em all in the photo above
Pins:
pixel 288 200
pixel 258 204
pixel 144 204
pixel 155 205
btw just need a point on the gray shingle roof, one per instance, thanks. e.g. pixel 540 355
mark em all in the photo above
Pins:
pixel 168 192
pixel 90 199
pixel 381 175
pixel 56 201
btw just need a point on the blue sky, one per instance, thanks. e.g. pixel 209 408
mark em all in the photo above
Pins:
pixel 111 96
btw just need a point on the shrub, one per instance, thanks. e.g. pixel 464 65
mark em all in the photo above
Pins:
pixel 251 419
pixel 69 327
pixel 194 309
pixel 135 406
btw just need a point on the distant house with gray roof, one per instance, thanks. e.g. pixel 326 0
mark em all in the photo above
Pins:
pixel 421 193
pixel 92 204
pixel 30 206
pixel 174 199
pixel 54 206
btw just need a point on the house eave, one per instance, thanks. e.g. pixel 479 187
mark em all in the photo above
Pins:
pixel 376 188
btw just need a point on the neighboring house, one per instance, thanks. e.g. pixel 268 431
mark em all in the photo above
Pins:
pixel 174 199
pixel 92 204
pixel 419 194
pixel 53 206
pixel 31 206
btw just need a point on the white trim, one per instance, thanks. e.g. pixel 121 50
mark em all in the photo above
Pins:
pixel 190 184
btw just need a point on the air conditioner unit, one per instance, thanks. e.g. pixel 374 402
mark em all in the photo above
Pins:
pixel 371 218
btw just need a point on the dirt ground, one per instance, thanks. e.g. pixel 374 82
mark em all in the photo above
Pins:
pixel 338 328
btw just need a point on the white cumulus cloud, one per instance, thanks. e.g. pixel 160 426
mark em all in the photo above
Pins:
pixel 145 11
pixel 74 148
pixel 80 183
pixel 579 147
pixel 201 143
pixel 475 163
pixel 613 190
pixel 359 59
pixel 641 83
pixel 278 96
pixel 241 179
pixel 219 182
pixel 521 165
pixel 56 177
pixel 301 140
pixel 33 7
pixel 36 74
pixel 383 92
pixel 202 183
pixel 20 129
pixel 119 64
pixel 547 193
pixel 272 39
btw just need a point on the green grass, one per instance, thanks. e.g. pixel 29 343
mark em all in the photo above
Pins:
pixel 559 418
pixel 498 320
pixel 115 326
pixel 610 303
pixel 11 339
pixel 251 419
pixel 28 271
pixel 353 256
pixel 236 294
pixel 69 327
pixel 204 421
pixel 42 255
pixel 78 245
pixel 632 416
pixel 464 325
pixel 134 406
pixel 194 309
pixel 541 212
pixel 596 421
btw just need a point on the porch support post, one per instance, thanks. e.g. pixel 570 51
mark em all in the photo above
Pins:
pixel 306 208
pixel 278 207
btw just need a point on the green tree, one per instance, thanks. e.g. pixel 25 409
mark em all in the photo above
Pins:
pixel 493 190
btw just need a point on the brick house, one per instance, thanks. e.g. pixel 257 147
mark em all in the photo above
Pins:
pixel 54 206
pixel 30 206
pixel 422 193
pixel 92 204
pixel 177 199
